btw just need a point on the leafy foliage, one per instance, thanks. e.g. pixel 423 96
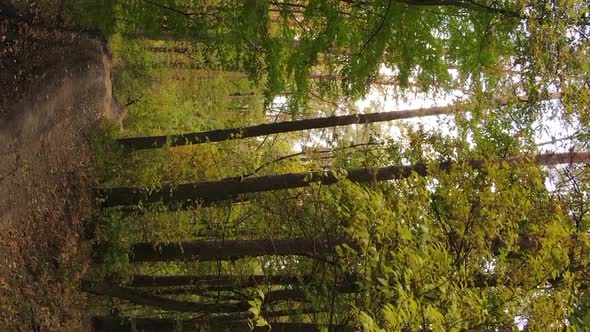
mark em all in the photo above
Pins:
pixel 465 248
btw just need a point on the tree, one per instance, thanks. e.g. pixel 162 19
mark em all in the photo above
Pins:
pixel 208 250
pixel 424 242
pixel 464 238
pixel 144 298
pixel 352 40
pixel 229 188
pixel 208 281
pixel 103 323
pixel 137 143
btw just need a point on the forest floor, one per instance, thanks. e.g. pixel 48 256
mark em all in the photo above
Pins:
pixel 54 88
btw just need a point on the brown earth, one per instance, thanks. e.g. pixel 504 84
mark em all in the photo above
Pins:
pixel 54 88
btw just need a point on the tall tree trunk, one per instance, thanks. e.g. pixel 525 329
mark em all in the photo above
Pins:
pixel 183 65
pixel 209 250
pixel 216 283
pixel 240 95
pixel 171 37
pixel 208 281
pixel 237 310
pixel 207 192
pixel 335 77
pixel 146 324
pixel 133 210
pixel 218 135
pixel 147 299
pixel 149 324
pixel 279 295
pixel 169 49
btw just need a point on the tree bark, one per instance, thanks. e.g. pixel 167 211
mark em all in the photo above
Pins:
pixel 334 77
pixel 171 37
pixel 144 298
pixel 223 283
pixel 237 310
pixel 169 49
pixel 207 192
pixel 209 250
pixel 208 281
pixel 149 324
pixel 218 135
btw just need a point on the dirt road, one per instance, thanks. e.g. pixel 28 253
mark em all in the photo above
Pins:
pixel 54 88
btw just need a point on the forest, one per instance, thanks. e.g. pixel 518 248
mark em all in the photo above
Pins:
pixel 339 165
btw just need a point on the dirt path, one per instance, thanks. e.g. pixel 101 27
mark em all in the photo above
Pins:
pixel 54 87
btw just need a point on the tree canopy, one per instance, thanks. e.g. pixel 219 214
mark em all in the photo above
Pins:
pixel 247 186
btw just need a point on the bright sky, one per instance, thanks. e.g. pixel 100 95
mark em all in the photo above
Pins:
pixel 552 128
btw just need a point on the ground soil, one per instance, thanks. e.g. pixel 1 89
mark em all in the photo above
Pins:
pixel 54 89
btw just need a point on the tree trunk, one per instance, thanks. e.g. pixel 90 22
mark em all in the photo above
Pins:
pixel 208 281
pixel 225 283
pixel 169 49
pixel 148 324
pixel 133 210
pixel 171 37
pixel 237 310
pixel 209 250
pixel 239 95
pixel 218 135
pixel 334 77
pixel 147 299
pixel 183 65
pixel 207 192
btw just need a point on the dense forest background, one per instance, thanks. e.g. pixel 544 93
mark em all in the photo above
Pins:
pixel 343 165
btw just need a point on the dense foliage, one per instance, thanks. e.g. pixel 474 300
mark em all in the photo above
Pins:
pixel 468 240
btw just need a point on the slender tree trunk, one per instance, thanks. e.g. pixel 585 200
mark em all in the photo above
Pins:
pixel 218 135
pixel 149 324
pixel 282 295
pixel 240 95
pixel 170 37
pixel 237 310
pixel 334 77
pixel 149 142
pixel 133 210
pixel 208 281
pixel 274 296
pixel 169 49
pixel 225 283
pixel 147 299
pixel 146 324
pixel 207 192
pixel 183 65
pixel 209 250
